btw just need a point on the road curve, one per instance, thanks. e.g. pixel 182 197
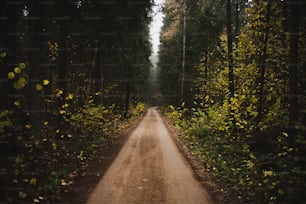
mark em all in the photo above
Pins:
pixel 149 169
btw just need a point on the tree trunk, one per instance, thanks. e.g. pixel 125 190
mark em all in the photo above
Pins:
pixel 237 26
pixel 62 37
pixel 127 99
pixel 9 37
pixel 34 97
pixel 230 49
pixel 183 53
pixel 293 59
pixel 98 75
pixel 262 66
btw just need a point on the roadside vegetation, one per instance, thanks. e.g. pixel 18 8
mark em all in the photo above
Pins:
pixel 70 77
pixel 240 103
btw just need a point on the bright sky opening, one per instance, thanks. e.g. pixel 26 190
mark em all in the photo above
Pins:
pixel 156 25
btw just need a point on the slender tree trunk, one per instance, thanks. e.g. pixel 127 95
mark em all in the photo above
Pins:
pixel 262 65
pixel 35 97
pixel 230 49
pixel 62 57
pixel 98 74
pixel 8 44
pixel 62 60
pixel 237 26
pixel 183 53
pixel 9 38
pixel 205 72
pixel 206 66
pixel 127 98
pixel 293 59
pixel 62 37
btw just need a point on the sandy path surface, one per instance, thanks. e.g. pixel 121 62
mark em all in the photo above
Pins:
pixel 149 169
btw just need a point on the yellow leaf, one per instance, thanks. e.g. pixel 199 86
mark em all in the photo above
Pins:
pixel 46 123
pixel 69 97
pixel 59 93
pixel 46 82
pixel 21 83
pixel 17 70
pixel 39 87
pixel 33 181
pixel 28 126
pixel 254 113
pixel 57 131
pixel 267 173
pixel 69 136
pixel 62 112
pixel 17 103
pixel 254 100
pixel 54 145
pixel 11 75
pixel 63 182
pixel 66 105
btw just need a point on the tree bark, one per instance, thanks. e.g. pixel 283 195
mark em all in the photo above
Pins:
pixel 8 43
pixel 262 66
pixel 293 60
pixel 183 53
pixel 34 97
pixel 230 49
pixel 62 35
pixel 98 74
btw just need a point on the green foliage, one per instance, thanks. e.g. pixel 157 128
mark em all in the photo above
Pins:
pixel 273 176
pixel 60 149
pixel 202 19
pixel 246 140
pixel 137 109
pixel 59 107
pixel 175 114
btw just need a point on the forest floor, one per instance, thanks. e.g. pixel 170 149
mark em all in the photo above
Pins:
pixel 147 163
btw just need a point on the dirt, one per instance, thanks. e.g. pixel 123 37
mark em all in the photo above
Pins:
pixel 144 165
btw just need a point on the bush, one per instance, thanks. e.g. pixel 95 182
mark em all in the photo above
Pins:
pixel 275 173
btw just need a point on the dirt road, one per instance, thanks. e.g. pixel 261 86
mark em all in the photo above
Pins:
pixel 149 169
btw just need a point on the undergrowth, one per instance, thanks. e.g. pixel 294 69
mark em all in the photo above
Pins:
pixel 42 161
pixel 271 170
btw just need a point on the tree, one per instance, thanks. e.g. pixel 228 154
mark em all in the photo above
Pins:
pixel 294 23
pixel 230 49
pixel 63 69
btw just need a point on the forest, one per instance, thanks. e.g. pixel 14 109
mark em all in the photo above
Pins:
pixel 72 72
pixel 231 78
pixel 232 74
